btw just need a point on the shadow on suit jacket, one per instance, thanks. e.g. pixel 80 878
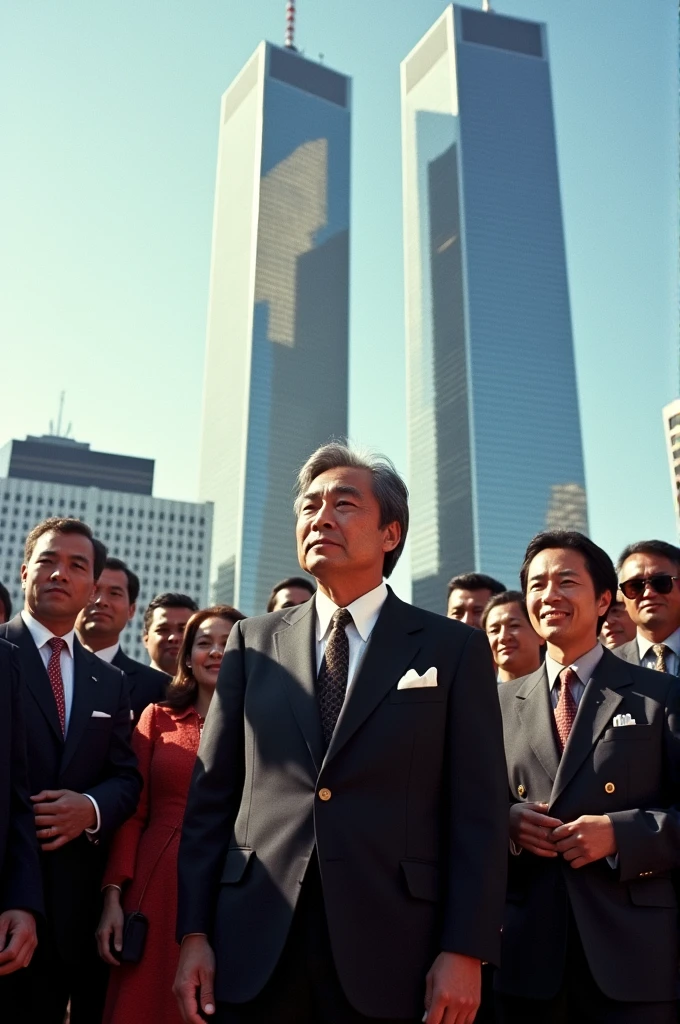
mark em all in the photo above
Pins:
pixel 20 879
pixel 96 757
pixel 412 841
pixel 626 916
pixel 146 684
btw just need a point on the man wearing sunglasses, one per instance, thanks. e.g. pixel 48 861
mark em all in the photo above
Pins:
pixel 649 579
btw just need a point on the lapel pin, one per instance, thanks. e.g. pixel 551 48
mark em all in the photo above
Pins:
pixel 93 678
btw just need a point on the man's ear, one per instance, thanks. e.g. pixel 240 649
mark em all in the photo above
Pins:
pixel 391 536
pixel 131 611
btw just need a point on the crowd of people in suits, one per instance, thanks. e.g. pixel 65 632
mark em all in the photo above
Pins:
pixel 346 809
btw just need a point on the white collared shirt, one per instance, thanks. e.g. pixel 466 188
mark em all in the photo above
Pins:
pixel 583 667
pixel 364 611
pixel 41 635
pixel 107 654
pixel 648 657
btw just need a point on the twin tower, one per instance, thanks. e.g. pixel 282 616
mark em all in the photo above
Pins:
pixel 493 425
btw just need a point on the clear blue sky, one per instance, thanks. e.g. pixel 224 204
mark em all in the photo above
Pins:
pixel 109 141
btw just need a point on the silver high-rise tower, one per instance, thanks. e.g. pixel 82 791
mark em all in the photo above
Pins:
pixel 276 366
pixel 493 422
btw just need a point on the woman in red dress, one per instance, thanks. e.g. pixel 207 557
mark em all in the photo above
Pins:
pixel 141 873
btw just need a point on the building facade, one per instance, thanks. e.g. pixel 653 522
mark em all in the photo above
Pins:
pixel 277 337
pixel 493 421
pixel 671 429
pixel 165 542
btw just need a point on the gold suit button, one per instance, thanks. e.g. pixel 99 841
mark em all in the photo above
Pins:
pixel 324 794
pixel 521 790
pixel 609 787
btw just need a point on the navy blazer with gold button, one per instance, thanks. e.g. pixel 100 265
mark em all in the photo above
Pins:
pixel 626 916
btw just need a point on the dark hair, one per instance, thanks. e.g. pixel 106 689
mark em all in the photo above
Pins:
pixel 55 524
pixel 475 581
pixel 598 563
pixel 650 547
pixel 291 581
pixel 389 489
pixel 6 601
pixel 183 689
pixel 506 597
pixel 117 565
pixel 168 600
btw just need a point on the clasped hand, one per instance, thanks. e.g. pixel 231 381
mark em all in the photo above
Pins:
pixel 587 839
pixel 60 816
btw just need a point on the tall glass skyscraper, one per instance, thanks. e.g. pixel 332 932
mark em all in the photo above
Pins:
pixel 493 422
pixel 277 345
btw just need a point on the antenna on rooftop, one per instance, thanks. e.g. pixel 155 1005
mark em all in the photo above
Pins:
pixel 57 432
pixel 486 6
pixel 290 25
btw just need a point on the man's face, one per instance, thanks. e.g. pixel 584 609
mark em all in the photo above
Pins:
pixel 563 606
pixel 58 579
pixel 618 627
pixel 165 636
pixel 657 613
pixel 338 529
pixel 109 611
pixel 515 644
pixel 288 597
pixel 467 606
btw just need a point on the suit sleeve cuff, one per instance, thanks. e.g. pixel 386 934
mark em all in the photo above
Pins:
pixel 93 831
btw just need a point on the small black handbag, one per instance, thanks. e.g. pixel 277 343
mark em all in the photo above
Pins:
pixel 135 927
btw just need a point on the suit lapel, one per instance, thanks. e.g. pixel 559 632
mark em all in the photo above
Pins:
pixel 598 704
pixel 35 673
pixel 392 646
pixel 84 692
pixel 535 713
pixel 127 666
pixel 296 653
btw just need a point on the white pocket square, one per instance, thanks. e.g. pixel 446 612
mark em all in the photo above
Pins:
pixel 100 714
pixel 412 680
pixel 619 720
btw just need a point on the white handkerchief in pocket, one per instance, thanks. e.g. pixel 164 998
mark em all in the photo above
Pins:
pixel 411 680
pixel 100 714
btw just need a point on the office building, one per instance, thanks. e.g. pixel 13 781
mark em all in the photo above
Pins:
pixel 671 429
pixel 166 542
pixel 277 336
pixel 493 421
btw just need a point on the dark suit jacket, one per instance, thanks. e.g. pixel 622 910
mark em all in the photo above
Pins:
pixel 411 841
pixel 626 917
pixel 20 880
pixel 95 758
pixel 147 686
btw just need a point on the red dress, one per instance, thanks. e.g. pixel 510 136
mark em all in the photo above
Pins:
pixel 144 854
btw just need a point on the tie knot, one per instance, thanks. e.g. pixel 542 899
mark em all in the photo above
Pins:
pixel 341 618
pixel 660 650
pixel 569 677
pixel 57 643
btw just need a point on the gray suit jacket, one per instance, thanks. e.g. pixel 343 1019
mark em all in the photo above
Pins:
pixel 411 831
pixel 626 916
pixel 629 652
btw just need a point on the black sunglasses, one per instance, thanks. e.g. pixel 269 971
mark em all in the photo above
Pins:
pixel 661 583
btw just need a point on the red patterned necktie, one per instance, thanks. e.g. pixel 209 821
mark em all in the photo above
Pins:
pixel 566 709
pixel 331 685
pixel 56 682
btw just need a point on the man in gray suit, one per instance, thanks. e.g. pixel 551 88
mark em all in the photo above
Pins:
pixel 593 754
pixel 649 579
pixel 344 847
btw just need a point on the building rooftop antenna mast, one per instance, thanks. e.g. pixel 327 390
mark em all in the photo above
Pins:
pixel 290 25
pixel 486 6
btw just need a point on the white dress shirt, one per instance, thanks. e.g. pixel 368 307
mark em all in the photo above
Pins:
pixel 583 667
pixel 41 635
pixel 648 657
pixel 107 654
pixel 364 611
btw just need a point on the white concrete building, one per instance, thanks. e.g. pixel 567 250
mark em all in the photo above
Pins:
pixel 671 429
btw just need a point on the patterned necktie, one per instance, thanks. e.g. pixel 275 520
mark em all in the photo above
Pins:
pixel 566 709
pixel 331 685
pixel 660 651
pixel 57 683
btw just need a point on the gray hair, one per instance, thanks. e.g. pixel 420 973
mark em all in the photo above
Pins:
pixel 389 489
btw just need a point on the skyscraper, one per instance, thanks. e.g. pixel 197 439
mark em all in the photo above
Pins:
pixel 671 429
pixel 276 366
pixel 493 422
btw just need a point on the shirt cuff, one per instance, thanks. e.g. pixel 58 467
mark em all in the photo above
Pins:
pixel 93 831
pixel 515 850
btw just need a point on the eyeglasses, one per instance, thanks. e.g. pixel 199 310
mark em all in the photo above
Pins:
pixel 662 583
